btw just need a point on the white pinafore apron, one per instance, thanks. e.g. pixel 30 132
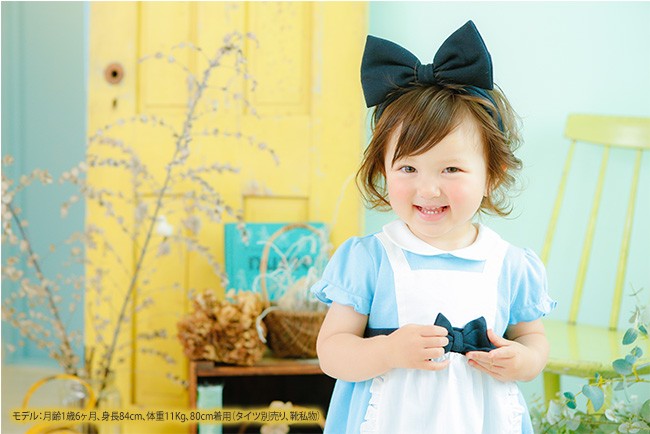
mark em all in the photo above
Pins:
pixel 459 399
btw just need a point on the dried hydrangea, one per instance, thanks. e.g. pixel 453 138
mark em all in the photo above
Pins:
pixel 223 330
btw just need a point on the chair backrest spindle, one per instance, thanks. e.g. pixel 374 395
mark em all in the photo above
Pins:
pixel 589 239
pixel 610 133
pixel 625 244
pixel 550 232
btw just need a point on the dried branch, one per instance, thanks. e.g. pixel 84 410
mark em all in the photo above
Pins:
pixel 110 312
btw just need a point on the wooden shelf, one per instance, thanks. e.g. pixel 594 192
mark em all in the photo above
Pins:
pixel 271 372
pixel 266 366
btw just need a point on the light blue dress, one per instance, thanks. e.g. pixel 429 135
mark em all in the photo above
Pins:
pixel 360 275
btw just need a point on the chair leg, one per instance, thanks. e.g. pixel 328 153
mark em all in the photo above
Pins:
pixel 551 386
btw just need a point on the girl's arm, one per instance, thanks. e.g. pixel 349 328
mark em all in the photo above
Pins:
pixel 345 354
pixel 519 357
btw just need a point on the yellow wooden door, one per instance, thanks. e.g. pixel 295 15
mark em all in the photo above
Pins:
pixel 306 106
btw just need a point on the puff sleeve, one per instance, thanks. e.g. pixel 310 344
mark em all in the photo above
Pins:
pixel 349 278
pixel 529 297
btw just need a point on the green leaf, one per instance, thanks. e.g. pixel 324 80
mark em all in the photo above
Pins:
pixel 606 428
pixel 611 415
pixel 636 352
pixel 645 411
pixel 630 336
pixel 643 330
pixel 630 359
pixel 570 396
pixel 554 412
pixel 571 405
pixel 595 395
pixel 573 423
pixel 622 366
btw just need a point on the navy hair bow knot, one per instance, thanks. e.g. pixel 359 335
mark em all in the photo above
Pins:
pixel 472 337
pixel 462 59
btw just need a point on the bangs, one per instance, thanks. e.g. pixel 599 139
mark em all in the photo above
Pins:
pixel 426 116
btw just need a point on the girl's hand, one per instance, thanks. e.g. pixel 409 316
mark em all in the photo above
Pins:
pixel 413 346
pixel 345 354
pixel 521 359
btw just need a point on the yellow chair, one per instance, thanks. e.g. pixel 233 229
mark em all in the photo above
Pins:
pixel 582 350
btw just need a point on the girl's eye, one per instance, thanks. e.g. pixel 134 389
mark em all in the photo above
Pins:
pixel 408 169
pixel 451 170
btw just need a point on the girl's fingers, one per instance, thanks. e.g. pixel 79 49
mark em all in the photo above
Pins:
pixel 432 330
pixel 480 356
pixel 437 342
pixel 435 366
pixel 433 353
pixel 492 365
pixel 478 365
pixel 488 361
pixel 500 354
pixel 495 371
pixel 497 340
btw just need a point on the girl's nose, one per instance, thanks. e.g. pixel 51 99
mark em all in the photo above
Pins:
pixel 428 189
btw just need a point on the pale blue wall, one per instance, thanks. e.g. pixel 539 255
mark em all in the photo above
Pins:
pixel 552 59
pixel 44 58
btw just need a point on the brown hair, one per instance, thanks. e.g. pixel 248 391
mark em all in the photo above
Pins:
pixel 429 113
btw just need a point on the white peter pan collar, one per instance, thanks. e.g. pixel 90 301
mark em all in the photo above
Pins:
pixel 399 233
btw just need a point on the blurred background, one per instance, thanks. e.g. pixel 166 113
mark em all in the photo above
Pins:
pixel 550 58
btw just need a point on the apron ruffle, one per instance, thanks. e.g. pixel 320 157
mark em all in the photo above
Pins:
pixel 517 410
pixel 369 424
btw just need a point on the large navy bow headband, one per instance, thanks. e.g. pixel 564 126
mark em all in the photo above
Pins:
pixel 463 59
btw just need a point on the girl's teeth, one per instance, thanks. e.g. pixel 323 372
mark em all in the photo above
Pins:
pixel 432 210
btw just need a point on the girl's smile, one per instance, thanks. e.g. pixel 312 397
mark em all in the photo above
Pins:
pixel 438 192
pixel 431 213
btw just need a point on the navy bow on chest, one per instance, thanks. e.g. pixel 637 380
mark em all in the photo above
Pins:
pixel 472 337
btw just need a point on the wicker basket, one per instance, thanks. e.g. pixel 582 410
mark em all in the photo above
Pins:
pixel 291 334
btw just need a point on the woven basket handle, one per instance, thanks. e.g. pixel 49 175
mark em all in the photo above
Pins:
pixel 264 261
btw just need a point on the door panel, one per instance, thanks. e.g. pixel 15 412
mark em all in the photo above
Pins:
pixel 283 30
pixel 306 107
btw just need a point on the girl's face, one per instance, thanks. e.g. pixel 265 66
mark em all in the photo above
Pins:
pixel 438 192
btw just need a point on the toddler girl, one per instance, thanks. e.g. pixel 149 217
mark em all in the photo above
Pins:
pixel 433 319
